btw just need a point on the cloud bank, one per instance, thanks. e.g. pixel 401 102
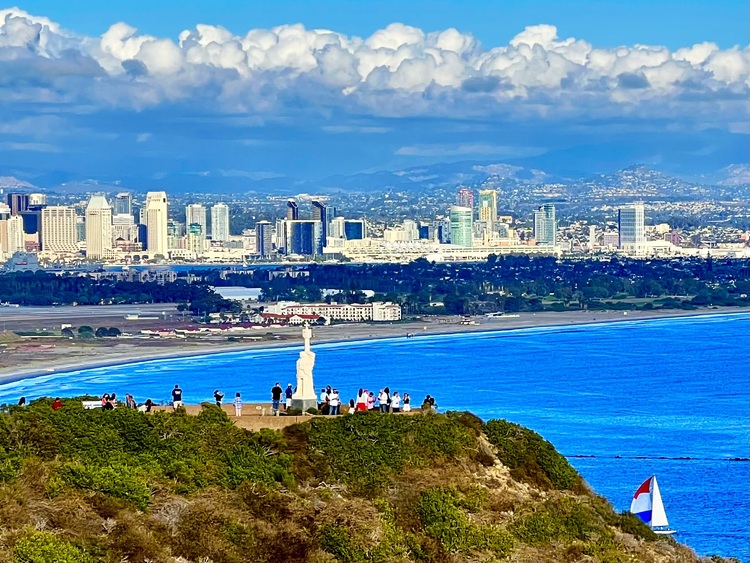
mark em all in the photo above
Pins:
pixel 399 71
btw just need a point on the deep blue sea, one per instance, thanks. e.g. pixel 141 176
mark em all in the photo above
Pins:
pixel 623 401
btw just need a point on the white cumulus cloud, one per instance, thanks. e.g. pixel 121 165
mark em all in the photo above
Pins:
pixel 397 71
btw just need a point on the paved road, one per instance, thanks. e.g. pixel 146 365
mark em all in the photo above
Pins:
pixel 67 313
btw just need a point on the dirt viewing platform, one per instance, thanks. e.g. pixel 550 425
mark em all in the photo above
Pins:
pixel 256 416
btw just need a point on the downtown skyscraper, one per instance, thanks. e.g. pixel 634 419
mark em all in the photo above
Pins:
pixel 156 217
pixel 462 226
pixel 220 222
pixel 195 214
pixel 98 227
pixel 545 225
pixel 58 232
pixel 631 226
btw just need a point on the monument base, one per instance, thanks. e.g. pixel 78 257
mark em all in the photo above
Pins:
pixel 304 404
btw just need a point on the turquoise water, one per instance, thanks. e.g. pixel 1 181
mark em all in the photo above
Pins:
pixel 623 401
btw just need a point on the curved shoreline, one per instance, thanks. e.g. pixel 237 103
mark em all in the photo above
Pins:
pixel 523 322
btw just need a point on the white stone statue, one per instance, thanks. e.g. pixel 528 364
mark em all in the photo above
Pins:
pixel 305 397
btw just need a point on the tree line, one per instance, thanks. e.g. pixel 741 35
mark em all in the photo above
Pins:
pixel 509 283
pixel 44 289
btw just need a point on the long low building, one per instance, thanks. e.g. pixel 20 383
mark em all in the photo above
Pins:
pixel 378 311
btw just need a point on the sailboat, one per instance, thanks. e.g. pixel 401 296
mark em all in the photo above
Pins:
pixel 647 505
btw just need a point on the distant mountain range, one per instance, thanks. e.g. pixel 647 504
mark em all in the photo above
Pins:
pixel 634 181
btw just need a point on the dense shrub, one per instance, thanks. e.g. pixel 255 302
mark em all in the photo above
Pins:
pixel 367 449
pixel 530 457
pixel 336 540
pixel 122 485
pixel 118 481
pixel 442 513
pixel 43 547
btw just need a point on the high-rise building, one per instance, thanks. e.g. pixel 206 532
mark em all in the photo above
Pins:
pixel 631 226
pixel 354 229
pixel 58 233
pixel 196 239
pixel 124 228
pixel 80 229
pixel 32 220
pixel 336 228
pixel 321 212
pixel 461 218
pixel 123 204
pixel 98 227
pixel 426 231
pixel 465 198
pixel 292 210
pixel 4 216
pixel 196 213
pixel 220 222
pixel 488 206
pixel 411 228
pixel 304 237
pixel 264 238
pixel 18 203
pixel 14 233
pixel 177 229
pixel 156 217
pixel 37 200
pixel 545 225
pixel 442 230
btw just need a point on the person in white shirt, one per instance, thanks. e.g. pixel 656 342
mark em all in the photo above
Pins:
pixel 334 402
pixel 323 403
pixel 395 402
pixel 385 400
pixel 361 404
pixel 237 405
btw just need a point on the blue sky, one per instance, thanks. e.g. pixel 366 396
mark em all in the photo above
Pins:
pixel 569 87
pixel 607 23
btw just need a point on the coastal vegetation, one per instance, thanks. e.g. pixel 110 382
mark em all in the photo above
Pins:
pixel 93 485
pixel 506 284
pixel 43 289
pixel 513 283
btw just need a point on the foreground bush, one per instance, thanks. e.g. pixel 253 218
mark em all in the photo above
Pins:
pixel 79 485
pixel 530 457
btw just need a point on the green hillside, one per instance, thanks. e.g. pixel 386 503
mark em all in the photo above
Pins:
pixel 120 485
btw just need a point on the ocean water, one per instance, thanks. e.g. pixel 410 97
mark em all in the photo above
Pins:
pixel 623 401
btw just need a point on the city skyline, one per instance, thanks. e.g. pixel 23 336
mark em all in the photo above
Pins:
pixel 461 233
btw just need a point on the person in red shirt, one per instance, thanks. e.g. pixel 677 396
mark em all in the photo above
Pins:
pixel 57 404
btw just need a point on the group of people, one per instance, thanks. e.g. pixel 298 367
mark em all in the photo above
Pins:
pixel 109 402
pixel 237 402
pixel 281 397
pixel 329 401
pixel 384 401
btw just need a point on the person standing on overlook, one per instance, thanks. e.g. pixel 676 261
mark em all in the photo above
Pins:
pixel 276 393
pixel 385 399
pixel 218 396
pixel 176 397
pixel 237 405
pixel 334 402
pixel 288 392
pixel 395 402
pixel 57 404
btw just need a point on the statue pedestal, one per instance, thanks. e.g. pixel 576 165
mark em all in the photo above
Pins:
pixel 304 404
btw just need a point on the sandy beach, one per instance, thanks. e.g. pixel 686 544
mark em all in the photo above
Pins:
pixel 67 356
